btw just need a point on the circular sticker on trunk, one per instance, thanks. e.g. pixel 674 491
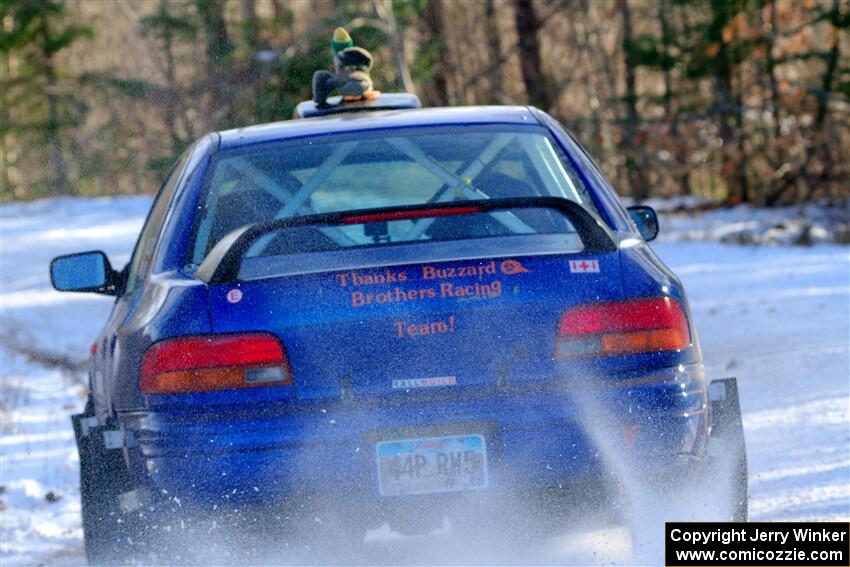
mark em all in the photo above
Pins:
pixel 234 295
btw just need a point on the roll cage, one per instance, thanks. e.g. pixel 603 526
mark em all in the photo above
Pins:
pixel 454 185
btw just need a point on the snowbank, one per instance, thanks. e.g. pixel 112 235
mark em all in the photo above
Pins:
pixel 806 225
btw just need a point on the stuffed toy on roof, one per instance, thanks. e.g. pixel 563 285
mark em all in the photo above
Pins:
pixel 352 78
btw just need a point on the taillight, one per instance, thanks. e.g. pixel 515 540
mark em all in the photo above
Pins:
pixel 206 363
pixel 638 326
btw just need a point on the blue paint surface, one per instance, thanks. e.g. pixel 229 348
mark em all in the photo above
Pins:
pixel 483 315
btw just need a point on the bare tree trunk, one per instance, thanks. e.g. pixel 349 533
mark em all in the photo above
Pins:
pixel 589 39
pixel 494 49
pixel 821 131
pixel 278 9
pixel 384 11
pixel 680 151
pixel 728 105
pixel 820 138
pixel 599 80
pixel 634 165
pixel 529 55
pixel 770 63
pixel 318 8
pixel 436 91
pixel 250 28
pixel 218 52
pixel 741 138
pixel 831 65
pixel 5 76
pixel 57 156
pixel 780 181
pixel 731 121
pixel 173 89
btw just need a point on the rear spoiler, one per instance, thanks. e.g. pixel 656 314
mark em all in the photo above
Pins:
pixel 223 262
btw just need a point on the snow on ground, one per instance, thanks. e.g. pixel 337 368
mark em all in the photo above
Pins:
pixel 812 223
pixel 778 318
pixel 37 451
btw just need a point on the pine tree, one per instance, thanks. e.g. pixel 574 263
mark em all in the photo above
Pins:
pixel 38 99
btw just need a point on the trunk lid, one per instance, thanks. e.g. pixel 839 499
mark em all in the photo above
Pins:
pixel 437 326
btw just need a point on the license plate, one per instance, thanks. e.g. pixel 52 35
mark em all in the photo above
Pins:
pixel 434 464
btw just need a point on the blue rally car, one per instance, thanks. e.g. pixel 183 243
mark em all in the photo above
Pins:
pixel 390 310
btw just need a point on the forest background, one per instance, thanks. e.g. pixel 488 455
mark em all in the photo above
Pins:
pixel 728 101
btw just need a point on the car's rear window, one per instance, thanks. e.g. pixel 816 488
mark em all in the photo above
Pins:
pixel 386 168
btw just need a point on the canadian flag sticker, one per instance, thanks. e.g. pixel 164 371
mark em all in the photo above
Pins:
pixel 584 266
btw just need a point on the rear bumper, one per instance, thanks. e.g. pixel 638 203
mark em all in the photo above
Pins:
pixel 551 437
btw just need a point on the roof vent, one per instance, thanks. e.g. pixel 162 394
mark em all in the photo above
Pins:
pixel 335 105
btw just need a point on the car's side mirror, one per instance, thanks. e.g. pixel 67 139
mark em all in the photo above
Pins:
pixel 85 272
pixel 646 221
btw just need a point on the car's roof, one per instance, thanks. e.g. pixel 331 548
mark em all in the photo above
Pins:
pixel 372 120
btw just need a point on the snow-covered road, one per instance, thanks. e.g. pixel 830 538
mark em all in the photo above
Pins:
pixel 778 318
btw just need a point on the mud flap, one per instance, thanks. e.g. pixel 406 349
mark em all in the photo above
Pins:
pixel 727 446
pixel 104 478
